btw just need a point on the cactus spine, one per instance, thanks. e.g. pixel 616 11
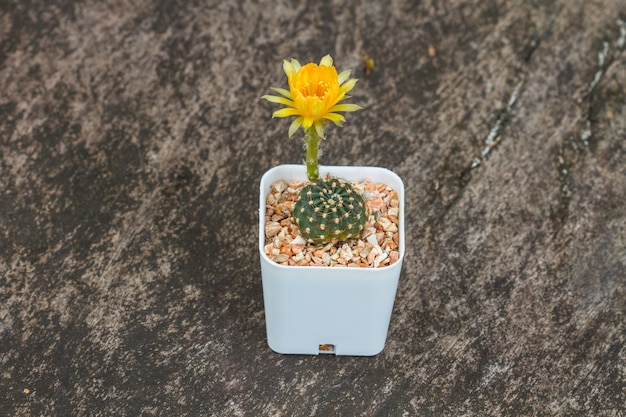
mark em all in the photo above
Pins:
pixel 329 209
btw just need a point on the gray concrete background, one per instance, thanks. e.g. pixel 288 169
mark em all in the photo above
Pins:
pixel 132 140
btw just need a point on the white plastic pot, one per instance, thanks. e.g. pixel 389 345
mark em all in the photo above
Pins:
pixel 316 309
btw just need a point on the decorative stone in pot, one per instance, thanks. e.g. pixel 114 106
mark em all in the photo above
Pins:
pixel 329 309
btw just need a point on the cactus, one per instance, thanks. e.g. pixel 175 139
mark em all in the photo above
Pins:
pixel 329 209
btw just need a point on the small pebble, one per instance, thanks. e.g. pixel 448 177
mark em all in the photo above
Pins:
pixel 272 228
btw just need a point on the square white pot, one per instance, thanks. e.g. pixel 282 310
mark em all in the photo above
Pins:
pixel 310 306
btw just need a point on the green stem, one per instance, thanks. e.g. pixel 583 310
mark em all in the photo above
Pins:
pixel 312 152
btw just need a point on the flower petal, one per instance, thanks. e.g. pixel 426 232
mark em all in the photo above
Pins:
pixel 349 85
pixel 317 107
pixel 296 65
pixel 282 92
pixel 319 128
pixel 294 126
pixel 286 112
pixel 279 100
pixel 344 76
pixel 326 61
pixel 291 67
pixel 345 107
pixel 336 118
pixel 307 122
pixel 287 67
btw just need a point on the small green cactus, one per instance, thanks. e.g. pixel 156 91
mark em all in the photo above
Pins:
pixel 329 209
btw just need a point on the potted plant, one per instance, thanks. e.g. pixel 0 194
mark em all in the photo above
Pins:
pixel 331 238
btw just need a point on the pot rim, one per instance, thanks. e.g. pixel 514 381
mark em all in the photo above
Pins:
pixel 292 170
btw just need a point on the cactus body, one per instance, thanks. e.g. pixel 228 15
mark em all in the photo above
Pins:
pixel 329 209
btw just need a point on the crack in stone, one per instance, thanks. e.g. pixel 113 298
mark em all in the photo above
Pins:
pixel 602 55
pixel 463 177
pixel 571 153
pixel 493 138
pixel 565 160
pixel 530 48
pixel 621 41
pixel 603 62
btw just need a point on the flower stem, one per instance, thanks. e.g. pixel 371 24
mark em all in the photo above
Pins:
pixel 312 152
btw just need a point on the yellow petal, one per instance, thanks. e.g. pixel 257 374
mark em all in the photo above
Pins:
pixel 345 107
pixel 291 67
pixel 289 111
pixel 319 128
pixel 317 107
pixel 295 125
pixel 279 100
pixel 307 122
pixel 327 61
pixel 295 64
pixel 335 118
pixel 344 76
pixel 282 92
pixel 349 85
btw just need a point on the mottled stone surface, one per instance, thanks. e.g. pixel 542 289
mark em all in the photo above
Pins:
pixel 132 140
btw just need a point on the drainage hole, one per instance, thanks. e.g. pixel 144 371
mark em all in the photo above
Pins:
pixel 327 348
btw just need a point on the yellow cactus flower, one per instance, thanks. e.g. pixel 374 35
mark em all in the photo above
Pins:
pixel 314 95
